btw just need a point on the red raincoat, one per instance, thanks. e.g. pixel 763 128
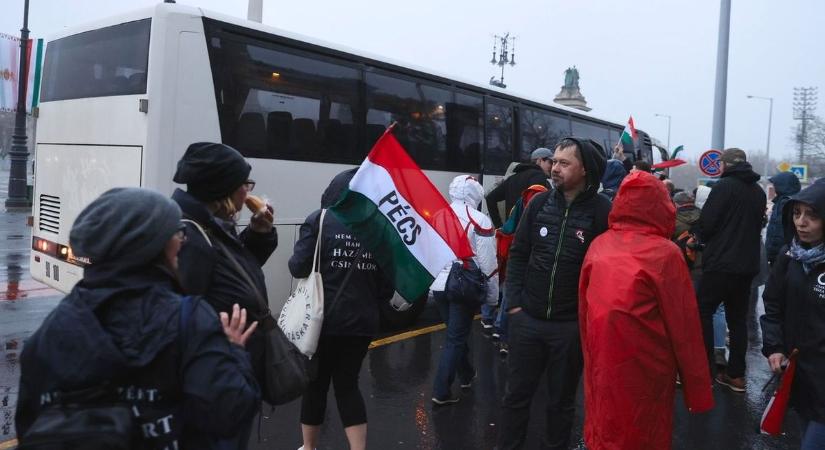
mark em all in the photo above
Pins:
pixel 639 325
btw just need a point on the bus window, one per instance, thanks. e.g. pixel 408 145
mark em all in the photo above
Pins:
pixel 541 129
pixel 597 132
pixel 276 104
pixel 499 138
pixel 99 63
pixel 420 112
pixel 465 129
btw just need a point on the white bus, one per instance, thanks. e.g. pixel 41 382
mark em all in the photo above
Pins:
pixel 122 98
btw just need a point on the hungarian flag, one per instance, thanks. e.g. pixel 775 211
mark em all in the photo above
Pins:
pixel 629 135
pixel 774 413
pixel 399 216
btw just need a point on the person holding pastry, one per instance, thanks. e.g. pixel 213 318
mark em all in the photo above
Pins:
pixel 217 261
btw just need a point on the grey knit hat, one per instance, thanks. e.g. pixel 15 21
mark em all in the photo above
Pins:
pixel 128 226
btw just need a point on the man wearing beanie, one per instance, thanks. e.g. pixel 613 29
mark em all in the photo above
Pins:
pixel 121 326
pixel 730 227
pixel 217 261
pixel 546 257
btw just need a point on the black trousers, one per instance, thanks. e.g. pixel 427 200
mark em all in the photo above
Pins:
pixel 734 291
pixel 339 361
pixel 537 344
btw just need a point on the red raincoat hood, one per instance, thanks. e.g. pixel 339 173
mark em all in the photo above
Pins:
pixel 644 206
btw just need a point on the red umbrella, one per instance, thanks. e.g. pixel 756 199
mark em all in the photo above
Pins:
pixel 668 164
pixel 774 414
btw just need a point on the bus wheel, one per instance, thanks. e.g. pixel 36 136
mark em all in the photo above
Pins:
pixel 392 319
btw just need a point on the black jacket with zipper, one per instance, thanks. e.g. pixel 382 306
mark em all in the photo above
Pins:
pixel 550 243
pixel 203 270
pixel 509 191
pixel 730 224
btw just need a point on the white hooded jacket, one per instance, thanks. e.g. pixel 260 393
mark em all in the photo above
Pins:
pixel 466 195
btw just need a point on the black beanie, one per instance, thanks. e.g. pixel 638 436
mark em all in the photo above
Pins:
pixel 211 171
pixel 128 226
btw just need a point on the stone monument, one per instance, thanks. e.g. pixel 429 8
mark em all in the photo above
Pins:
pixel 570 94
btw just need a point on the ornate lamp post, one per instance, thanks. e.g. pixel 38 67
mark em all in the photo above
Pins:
pixel 504 57
pixel 19 153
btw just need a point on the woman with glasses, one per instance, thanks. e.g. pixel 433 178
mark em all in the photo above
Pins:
pixel 217 261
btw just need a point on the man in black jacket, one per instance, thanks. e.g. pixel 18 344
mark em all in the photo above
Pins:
pixel 542 289
pixel 524 176
pixel 730 228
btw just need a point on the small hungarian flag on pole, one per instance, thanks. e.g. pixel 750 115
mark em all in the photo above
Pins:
pixel 629 135
pixel 774 413
pixel 398 215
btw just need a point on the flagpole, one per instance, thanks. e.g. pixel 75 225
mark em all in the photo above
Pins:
pixel 19 154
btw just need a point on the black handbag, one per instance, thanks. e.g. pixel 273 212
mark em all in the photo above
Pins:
pixel 89 419
pixel 466 283
pixel 286 369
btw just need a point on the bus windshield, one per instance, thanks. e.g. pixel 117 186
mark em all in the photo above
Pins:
pixel 99 63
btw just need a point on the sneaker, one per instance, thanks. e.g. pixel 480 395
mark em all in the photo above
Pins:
pixel 469 383
pixel 678 381
pixel 487 324
pixel 734 384
pixel 496 335
pixel 445 401
pixel 503 351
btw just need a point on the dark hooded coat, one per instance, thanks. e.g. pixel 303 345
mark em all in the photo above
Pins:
pixel 551 241
pixel 509 190
pixel 205 271
pixel 795 315
pixel 189 386
pixel 730 224
pixel 786 184
pixel 351 309
pixel 639 325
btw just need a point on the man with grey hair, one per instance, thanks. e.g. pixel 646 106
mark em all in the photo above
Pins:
pixel 730 226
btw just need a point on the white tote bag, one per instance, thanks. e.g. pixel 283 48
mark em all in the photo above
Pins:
pixel 303 313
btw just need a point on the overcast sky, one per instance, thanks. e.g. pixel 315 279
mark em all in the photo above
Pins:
pixel 638 57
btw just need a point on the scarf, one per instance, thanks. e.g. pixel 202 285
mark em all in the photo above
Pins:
pixel 809 257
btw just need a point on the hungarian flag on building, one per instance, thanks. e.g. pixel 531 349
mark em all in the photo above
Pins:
pixel 399 216
pixel 629 135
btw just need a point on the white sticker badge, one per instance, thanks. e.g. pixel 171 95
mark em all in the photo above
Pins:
pixel 543 231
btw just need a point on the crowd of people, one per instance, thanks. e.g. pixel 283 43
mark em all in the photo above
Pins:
pixel 592 268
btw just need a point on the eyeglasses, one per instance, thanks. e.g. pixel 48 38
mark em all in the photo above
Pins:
pixel 250 185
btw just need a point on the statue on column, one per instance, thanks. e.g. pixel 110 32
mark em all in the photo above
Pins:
pixel 570 94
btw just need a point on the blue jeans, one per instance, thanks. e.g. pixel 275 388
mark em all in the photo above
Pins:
pixel 813 435
pixel 455 357
pixel 488 312
pixel 720 327
pixel 502 319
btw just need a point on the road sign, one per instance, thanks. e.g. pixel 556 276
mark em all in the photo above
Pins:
pixel 709 163
pixel 800 170
pixel 784 166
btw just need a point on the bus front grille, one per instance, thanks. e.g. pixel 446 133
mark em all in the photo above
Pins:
pixel 49 213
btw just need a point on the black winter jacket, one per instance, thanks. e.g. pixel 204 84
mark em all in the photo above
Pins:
pixel 795 318
pixel 550 243
pixel 730 225
pixel 509 190
pixel 204 271
pixel 795 315
pixel 355 311
pixel 125 328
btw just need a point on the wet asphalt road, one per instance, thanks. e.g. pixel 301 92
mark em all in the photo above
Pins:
pixel 396 382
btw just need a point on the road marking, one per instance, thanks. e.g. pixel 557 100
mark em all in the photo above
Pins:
pixel 409 334
pixel 8 444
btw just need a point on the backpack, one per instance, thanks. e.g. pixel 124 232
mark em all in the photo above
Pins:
pixel 506 234
pixel 94 418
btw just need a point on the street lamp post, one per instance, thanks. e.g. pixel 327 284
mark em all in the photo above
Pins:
pixel 668 128
pixel 19 153
pixel 770 118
